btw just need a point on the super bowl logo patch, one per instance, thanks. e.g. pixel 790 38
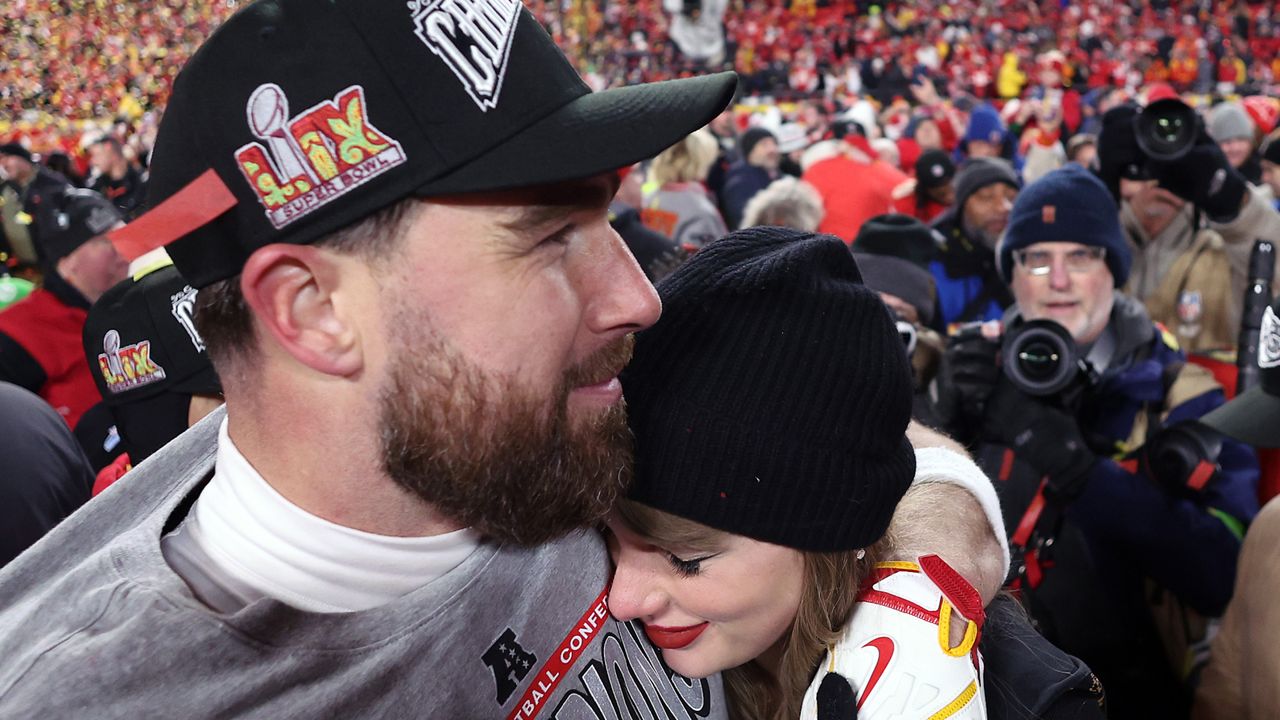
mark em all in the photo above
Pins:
pixel 129 367
pixel 314 157
pixel 1269 342
pixel 1190 306
pixel 473 37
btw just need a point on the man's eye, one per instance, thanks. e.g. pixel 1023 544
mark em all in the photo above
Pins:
pixel 559 237
pixel 685 568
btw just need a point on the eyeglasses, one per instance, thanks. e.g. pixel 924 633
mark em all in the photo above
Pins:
pixel 1040 262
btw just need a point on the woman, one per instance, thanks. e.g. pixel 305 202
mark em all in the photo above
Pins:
pixel 770 406
pixel 681 207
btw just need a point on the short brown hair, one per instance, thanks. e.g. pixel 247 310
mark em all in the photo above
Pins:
pixel 223 317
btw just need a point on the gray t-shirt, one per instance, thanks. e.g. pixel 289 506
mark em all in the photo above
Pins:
pixel 93 623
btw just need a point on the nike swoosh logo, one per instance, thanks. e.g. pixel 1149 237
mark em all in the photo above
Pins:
pixel 885 648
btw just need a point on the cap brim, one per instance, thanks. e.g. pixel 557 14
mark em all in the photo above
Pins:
pixel 1251 418
pixel 595 133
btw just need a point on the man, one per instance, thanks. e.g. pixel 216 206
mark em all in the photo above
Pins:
pixel 1229 126
pixel 969 286
pixel 36 187
pixel 1091 519
pixel 418 340
pixel 117 178
pixel 40 347
pixel 1190 225
pixel 748 176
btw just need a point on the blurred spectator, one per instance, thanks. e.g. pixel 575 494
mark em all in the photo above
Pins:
pixel 1229 126
pixel 854 184
pixel 60 163
pixel 1082 149
pixel 45 478
pixel 1191 230
pixel 40 346
pixel 656 253
pixel 986 136
pixel 758 167
pixel 680 206
pixel 787 202
pixel 115 177
pixel 930 192
pixel 37 186
pixel 1271 166
pixel 969 286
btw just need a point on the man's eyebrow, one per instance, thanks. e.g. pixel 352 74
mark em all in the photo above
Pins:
pixel 537 216
pixel 566 200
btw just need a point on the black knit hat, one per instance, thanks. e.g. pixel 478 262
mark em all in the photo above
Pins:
pixel 749 139
pixel 297 118
pixel 772 398
pixel 1069 204
pixel 978 173
pixel 897 235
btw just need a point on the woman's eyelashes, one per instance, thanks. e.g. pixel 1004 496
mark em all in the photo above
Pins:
pixel 687 568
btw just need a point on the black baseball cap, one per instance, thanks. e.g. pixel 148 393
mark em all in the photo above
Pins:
pixel 934 168
pixel 298 117
pixel 147 357
pixel 1253 417
pixel 74 218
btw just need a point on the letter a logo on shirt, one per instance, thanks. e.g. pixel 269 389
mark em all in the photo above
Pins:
pixel 509 663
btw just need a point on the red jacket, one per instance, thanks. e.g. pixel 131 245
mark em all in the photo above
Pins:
pixel 50 331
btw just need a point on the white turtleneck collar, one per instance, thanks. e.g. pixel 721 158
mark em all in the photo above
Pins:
pixel 242 541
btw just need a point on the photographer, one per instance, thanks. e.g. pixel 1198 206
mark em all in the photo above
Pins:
pixel 1190 222
pixel 1089 525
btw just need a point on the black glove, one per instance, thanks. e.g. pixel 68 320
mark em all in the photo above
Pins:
pixel 1118 153
pixel 966 378
pixel 1204 177
pixel 836 699
pixel 1046 438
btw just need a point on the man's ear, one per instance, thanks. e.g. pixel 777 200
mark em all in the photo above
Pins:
pixel 296 293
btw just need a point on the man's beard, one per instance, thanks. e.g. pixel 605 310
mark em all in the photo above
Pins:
pixel 504 459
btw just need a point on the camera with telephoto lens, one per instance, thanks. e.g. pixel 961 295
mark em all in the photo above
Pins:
pixel 1040 358
pixel 1165 131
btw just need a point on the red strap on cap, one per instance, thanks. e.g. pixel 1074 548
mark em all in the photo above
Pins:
pixel 192 207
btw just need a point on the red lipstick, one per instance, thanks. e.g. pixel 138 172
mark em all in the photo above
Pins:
pixel 673 638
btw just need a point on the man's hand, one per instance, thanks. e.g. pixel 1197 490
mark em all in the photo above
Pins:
pixel 1204 177
pixel 1045 437
pixel 967 376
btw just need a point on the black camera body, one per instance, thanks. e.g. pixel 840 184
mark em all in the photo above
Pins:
pixel 1165 131
pixel 1040 358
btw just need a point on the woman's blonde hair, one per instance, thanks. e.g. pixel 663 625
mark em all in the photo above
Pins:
pixel 828 592
pixel 688 160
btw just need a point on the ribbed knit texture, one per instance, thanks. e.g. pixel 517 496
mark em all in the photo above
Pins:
pixel 772 398
pixel 1083 212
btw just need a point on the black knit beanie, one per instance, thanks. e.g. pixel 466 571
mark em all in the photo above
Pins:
pixel 772 398
pixel 978 173
pixel 897 235
pixel 749 139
